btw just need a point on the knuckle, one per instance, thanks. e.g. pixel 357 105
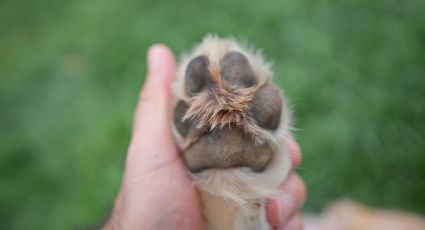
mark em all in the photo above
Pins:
pixel 146 94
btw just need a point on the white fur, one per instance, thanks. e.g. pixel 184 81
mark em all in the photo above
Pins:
pixel 229 196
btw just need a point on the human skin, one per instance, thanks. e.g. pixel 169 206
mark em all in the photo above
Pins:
pixel 156 191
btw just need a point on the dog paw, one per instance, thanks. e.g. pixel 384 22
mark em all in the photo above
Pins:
pixel 227 112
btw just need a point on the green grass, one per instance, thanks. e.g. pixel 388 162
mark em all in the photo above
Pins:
pixel 71 71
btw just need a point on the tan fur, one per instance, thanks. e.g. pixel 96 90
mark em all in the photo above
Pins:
pixel 221 108
pixel 348 215
pixel 232 198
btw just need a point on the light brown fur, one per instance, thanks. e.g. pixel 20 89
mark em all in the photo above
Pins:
pixel 348 215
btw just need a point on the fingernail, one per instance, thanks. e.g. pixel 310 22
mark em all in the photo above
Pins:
pixel 286 207
pixel 154 58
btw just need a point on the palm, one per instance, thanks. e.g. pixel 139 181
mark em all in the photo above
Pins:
pixel 158 179
pixel 179 195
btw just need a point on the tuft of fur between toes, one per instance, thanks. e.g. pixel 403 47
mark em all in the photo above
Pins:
pixel 229 123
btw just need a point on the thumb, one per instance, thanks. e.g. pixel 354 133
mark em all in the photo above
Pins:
pixel 152 143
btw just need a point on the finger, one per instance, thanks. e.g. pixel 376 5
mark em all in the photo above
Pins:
pixel 294 150
pixel 293 196
pixel 155 97
pixel 151 139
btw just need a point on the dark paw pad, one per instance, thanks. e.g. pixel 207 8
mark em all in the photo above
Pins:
pixel 183 127
pixel 197 75
pixel 236 70
pixel 266 108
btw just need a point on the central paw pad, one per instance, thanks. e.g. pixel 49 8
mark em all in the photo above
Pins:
pixel 226 107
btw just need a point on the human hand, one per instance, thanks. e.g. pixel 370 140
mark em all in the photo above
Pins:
pixel 156 191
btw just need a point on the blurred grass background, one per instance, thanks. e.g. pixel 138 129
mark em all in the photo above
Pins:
pixel 71 71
